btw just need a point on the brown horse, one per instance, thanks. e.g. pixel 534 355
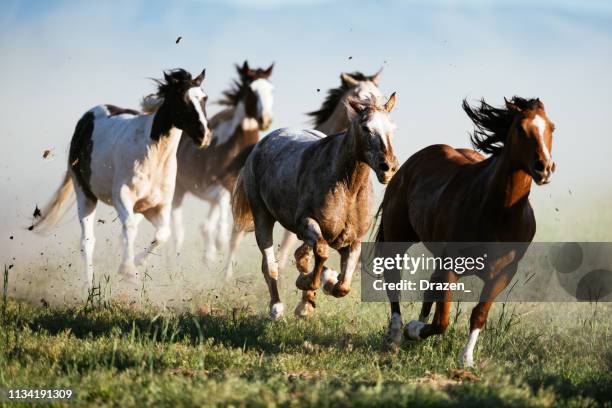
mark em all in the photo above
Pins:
pixel 210 174
pixel 319 188
pixel 442 194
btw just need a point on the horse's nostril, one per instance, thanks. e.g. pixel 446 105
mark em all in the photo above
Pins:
pixel 539 165
pixel 384 167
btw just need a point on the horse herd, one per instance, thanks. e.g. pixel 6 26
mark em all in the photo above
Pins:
pixel 315 183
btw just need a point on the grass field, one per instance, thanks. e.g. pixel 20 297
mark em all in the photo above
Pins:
pixel 222 350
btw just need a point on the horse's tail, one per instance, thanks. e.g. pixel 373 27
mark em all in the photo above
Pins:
pixel 56 208
pixel 243 215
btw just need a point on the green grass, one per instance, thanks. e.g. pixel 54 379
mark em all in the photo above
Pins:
pixel 226 352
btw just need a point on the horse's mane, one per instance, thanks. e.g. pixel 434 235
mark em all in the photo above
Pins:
pixel 151 102
pixel 334 96
pixel 232 96
pixel 491 125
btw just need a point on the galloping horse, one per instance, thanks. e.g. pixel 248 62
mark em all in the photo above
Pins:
pixel 332 118
pixel 442 194
pixel 206 173
pixel 319 188
pixel 128 159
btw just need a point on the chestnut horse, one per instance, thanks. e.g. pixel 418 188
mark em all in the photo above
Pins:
pixel 319 188
pixel 442 194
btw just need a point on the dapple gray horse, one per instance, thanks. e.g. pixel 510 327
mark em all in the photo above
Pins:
pixel 330 119
pixel 319 188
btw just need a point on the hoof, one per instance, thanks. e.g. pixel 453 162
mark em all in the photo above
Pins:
pixel 128 273
pixel 413 329
pixel 305 282
pixel 466 360
pixel 276 311
pixel 329 278
pixel 304 309
pixel 393 337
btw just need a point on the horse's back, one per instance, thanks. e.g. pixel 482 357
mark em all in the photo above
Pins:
pixel 272 171
pixel 283 147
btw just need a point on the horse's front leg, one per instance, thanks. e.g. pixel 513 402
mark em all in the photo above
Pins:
pixel 491 289
pixel 312 236
pixel 124 203
pixel 306 306
pixel 160 218
pixel 340 286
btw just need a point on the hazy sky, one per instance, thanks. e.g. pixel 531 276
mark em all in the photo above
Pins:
pixel 58 59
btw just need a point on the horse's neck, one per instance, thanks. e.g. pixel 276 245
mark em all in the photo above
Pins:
pixel 337 122
pixel 507 184
pixel 164 137
pixel 349 167
pixel 226 129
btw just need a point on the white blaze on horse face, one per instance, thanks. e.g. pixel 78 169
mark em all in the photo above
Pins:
pixel 196 95
pixel 263 89
pixel 380 124
pixel 540 124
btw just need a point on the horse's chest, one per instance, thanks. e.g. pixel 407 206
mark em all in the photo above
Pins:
pixel 345 219
pixel 154 185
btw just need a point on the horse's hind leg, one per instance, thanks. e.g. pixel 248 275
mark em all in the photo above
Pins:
pixel 395 227
pixel 418 330
pixel 311 233
pixel 306 306
pixel 86 208
pixel 264 227
pixel 235 240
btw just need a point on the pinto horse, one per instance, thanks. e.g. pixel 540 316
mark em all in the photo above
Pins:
pixel 319 188
pixel 442 194
pixel 206 173
pixel 331 118
pixel 127 159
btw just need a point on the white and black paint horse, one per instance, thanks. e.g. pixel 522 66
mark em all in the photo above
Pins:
pixel 210 174
pixel 127 159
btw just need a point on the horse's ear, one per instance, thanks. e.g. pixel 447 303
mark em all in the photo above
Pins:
pixel 540 103
pixel 268 71
pixel 348 80
pixel 245 67
pixel 169 78
pixel 197 81
pixel 376 77
pixel 390 103
pixel 511 106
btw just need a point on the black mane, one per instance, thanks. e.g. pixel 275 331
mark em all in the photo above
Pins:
pixel 234 95
pixel 491 125
pixel 334 96
pixel 175 79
